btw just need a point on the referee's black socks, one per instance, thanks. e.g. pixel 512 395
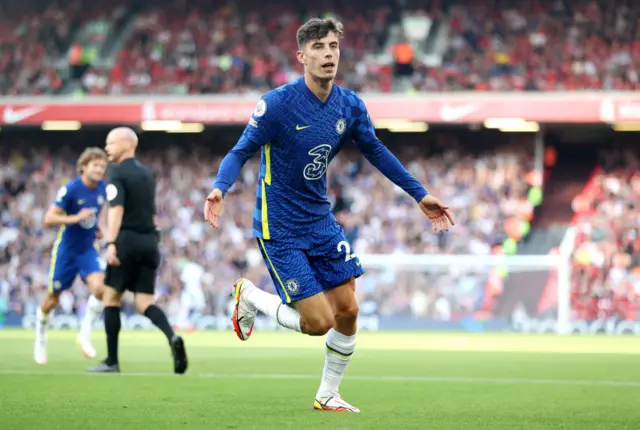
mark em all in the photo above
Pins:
pixel 159 319
pixel 112 328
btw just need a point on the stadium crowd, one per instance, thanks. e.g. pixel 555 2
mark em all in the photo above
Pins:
pixel 606 261
pixel 539 45
pixel 179 47
pixel 200 264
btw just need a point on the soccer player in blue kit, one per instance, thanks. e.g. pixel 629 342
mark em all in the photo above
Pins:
pixel 78 212
pixel 299 128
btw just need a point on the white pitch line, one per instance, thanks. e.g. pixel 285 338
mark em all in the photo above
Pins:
pixel 634 384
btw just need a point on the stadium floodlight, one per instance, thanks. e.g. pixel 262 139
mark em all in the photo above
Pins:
pixel 61 125
pixel 626 126
pixel 401 125
pixel 520 125
pixel 188 127
pixel 160 125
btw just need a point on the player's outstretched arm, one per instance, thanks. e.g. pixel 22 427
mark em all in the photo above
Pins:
pixel 262 128
pixel 379 155
pixel 227 175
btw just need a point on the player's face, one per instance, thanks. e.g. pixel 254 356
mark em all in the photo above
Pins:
pixel 95 169
pixel 320 57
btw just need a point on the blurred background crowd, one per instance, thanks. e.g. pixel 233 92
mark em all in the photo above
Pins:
pixel 192 47
pixel 200 264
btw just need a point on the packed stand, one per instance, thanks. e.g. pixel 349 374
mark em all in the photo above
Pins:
pixel 606 261
pixel 31 40
pixel 36 37
pixel 180 47
pixel 199 264
pixel 542 45
pixel 187 48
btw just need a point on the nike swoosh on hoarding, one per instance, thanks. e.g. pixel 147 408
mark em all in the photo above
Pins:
pixel 14 116
pixel 454 113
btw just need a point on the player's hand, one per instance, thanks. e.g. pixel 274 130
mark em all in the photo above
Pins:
pixel 83 214
pixel 112 256
pixel 213 207
pixel 437 212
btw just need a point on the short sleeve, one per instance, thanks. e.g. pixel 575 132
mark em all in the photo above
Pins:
pixel 64 197
pixel 263 124
pixel 115 188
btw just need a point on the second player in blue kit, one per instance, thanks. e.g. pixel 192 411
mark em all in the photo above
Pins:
pixel 74 252
pixel 299 128
pixel 78 213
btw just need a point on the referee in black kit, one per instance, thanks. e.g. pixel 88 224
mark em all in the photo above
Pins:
pixel 132 254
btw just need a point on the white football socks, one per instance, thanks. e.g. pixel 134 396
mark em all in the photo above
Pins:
pixel 41 321
pixel 94 309
pixel 271 305
pixel 338 354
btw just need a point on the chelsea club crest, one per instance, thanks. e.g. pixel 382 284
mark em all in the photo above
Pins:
pixel 341 125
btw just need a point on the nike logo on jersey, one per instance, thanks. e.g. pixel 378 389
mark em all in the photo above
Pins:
pixel 302 127
pixel 81 201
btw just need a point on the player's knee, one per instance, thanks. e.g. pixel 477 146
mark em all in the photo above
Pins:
pixel 348 311
pixel 96 285
pixel 97 290
pixel 53 298
pixel 318 325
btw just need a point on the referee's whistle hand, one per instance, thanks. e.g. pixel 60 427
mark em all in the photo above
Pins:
pixel 213 207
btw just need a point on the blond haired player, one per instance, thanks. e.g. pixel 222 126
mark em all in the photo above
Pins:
pixel 78 213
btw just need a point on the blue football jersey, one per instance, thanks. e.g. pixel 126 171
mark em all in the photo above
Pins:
pixel 72 198
pixel 299 135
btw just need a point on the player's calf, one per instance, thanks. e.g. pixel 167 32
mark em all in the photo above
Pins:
pixel 49 303
pixel 316 315
pixel 340 346
pixel 312 315
pixel 342 300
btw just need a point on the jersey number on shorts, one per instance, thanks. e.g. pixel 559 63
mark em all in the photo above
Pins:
pixel 344 245
pixel 316 169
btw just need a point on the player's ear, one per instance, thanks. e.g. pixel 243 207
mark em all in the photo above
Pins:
pixel 301 57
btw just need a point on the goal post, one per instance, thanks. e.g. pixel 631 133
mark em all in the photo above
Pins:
pixel 418 273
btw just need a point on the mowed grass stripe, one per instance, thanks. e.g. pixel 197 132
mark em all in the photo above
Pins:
pixel 382 378
pixel 408 341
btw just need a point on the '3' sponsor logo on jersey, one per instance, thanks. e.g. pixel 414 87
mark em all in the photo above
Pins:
pixel 317 168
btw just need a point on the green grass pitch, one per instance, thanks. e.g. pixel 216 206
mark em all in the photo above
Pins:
pixel 398 380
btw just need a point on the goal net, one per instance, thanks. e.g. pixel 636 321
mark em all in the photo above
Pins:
pixel 525 293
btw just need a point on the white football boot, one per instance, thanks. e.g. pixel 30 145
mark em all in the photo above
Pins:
pixel 335 404
pixel 244 313
pixel 85 345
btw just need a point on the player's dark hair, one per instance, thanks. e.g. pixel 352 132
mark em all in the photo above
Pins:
pixel 318 28
pixel 88 155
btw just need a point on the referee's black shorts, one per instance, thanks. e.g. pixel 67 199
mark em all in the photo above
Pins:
pixel 139 260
